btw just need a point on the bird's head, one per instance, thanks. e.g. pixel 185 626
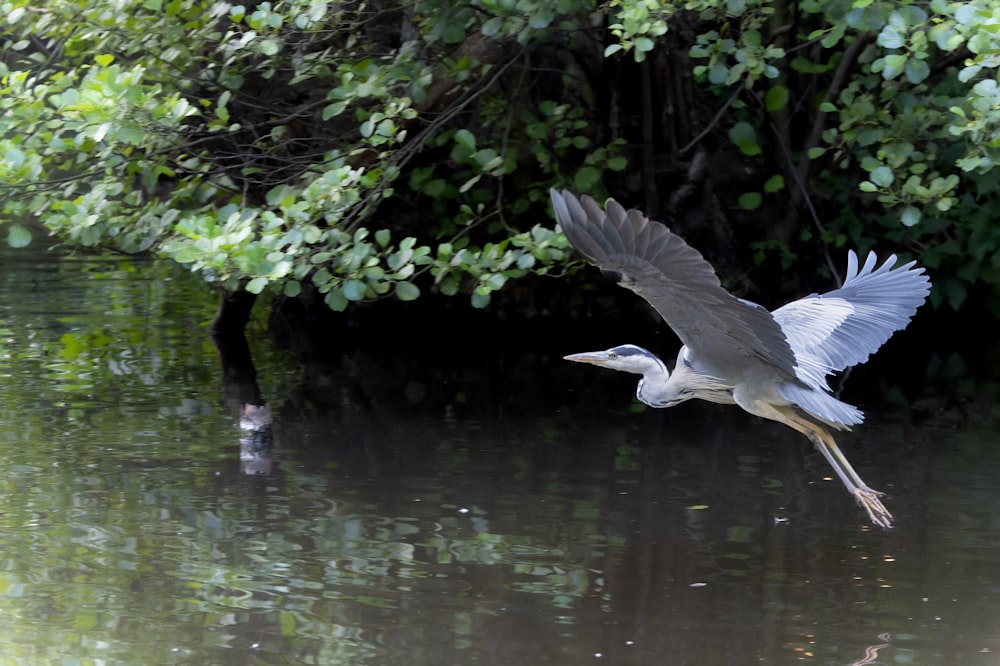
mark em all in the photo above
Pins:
pixel 627 358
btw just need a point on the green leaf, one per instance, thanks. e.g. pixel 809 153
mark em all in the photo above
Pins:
pixel 617 163
pixel 407 291
pixel 469 183
pixel 916 70
pixel 494 281
pixel 435 188
pixel 104 59
pixel 774 184
pixel 910 216
pixel 891 37
pixel 480 300
pixel 542 18
pixel 331 110
pixel 382 237
pixel 466 139
pixel 270 47
pixel 354 290
pixel 882 176
pixel 453 32
pixel 586 178
pixel 256 285
pixel 18 236
pixel 642 45
pixel 612 49
pixel 718 73
pixel 335 300
pixel 776 98
pixel 750 200
pixel 488 159
pixel 492 26
pixel 892 66
pixel 745 137
pixel 293 288
pixel 397 259
pixel 449 285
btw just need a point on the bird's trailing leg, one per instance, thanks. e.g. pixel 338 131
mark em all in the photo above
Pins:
pixel 823 440
pixel 865 496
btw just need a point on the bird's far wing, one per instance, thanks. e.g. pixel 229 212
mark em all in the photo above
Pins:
pixel 845 326
pixel 643 255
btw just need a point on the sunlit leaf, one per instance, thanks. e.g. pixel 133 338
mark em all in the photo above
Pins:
pixel 270 46
pixel 469 183
pixel 256 285
pixel 882 176
pixel 910 216
pixel 18 236
pixel 891 37
pixel 407 291
pixel 892 65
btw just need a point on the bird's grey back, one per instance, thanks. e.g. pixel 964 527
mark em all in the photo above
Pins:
pixel 732 337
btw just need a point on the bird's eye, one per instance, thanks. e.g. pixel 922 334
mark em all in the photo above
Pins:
pixel 612 356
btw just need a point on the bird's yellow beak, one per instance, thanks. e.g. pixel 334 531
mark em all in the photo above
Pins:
pixel 594 358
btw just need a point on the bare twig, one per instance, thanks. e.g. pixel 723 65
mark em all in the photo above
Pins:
pixel 414 146
pixel 715 121
pixel 846 63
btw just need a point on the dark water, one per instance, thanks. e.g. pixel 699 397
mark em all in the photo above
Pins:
pixel 511 511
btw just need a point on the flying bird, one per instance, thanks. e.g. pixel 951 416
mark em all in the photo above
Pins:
pixel 772 364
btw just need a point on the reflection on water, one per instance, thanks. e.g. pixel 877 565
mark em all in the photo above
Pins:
pixel 550 526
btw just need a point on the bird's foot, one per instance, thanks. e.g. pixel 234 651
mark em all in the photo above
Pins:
pixel 870 502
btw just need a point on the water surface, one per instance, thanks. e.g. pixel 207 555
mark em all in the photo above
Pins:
pixel 518 510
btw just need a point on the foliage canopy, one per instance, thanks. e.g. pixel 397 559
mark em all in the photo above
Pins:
pixel 375 148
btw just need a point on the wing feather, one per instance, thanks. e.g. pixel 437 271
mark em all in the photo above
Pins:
pixel 734 338
pixel 843 327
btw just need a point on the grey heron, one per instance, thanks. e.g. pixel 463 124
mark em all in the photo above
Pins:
pixel 771 364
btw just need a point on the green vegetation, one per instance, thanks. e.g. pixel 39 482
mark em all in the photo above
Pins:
pixel 384 148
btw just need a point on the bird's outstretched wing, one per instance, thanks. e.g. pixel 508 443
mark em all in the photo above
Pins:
pixel 843 327
pixel 729 335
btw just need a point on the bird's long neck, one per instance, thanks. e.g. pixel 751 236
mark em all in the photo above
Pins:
pixel 654 387
pixel 661 388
